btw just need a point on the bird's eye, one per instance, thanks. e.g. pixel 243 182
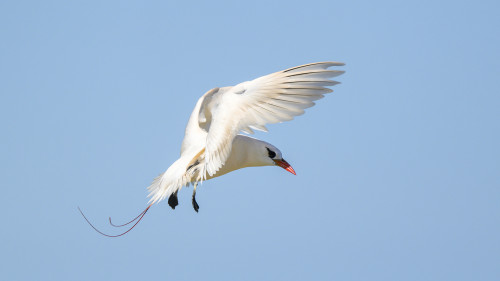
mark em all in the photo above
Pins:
pixel 271 153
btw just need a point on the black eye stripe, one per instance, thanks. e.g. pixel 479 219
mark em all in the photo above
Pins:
pixel 271 153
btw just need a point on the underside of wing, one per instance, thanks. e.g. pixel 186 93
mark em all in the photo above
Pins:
pixel 273 98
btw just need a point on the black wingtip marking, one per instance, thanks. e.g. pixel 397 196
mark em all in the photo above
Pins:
pixel 194 164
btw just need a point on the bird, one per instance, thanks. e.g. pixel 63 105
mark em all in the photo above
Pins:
pixel 217 140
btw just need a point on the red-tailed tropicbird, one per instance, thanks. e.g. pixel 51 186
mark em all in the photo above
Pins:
pixel 213 145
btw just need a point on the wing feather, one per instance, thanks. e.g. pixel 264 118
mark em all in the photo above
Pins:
pixel 273 98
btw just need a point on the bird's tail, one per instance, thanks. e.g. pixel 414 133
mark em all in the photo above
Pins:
pixel 169 182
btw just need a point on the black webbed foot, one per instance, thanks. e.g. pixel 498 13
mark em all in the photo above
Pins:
pixel 172 200
pixel 195 204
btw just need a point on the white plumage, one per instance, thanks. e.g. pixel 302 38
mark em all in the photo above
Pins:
pixel 212 145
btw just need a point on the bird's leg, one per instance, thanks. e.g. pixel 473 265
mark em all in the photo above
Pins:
pixel 172 200
pixel 195 205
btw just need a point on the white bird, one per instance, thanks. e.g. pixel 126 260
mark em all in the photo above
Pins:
pixel 213 145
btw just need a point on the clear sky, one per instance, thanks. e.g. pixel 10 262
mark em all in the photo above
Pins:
pixel 398 170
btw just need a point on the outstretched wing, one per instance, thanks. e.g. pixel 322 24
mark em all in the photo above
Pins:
pixel 273 98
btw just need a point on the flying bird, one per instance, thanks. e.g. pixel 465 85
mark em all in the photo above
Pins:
pixel 213 144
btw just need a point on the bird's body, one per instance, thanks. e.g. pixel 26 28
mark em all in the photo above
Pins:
pixel 213 145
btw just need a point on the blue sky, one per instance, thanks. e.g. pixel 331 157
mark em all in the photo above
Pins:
pixel 397 170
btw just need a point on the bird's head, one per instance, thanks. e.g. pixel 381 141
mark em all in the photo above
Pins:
pixel 274 157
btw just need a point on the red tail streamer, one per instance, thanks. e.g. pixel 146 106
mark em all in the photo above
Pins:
pixel 138 218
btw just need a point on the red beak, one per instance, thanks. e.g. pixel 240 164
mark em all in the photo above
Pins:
pixel 283 164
